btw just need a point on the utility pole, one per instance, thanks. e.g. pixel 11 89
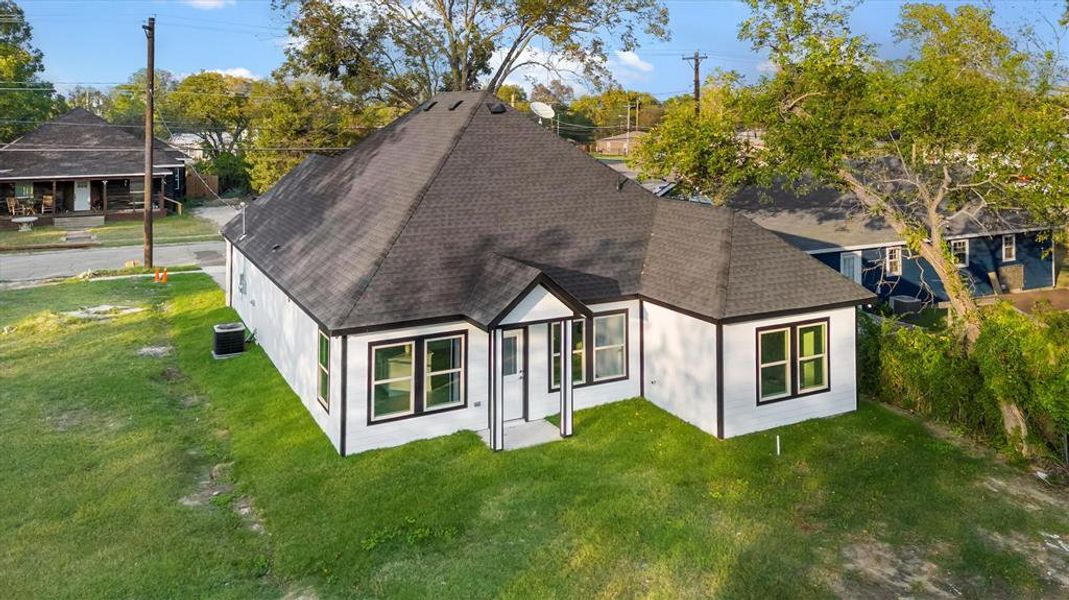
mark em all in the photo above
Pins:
pixel 697 58
pixel 150 76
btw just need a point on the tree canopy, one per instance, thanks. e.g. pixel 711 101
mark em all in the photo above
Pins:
pixel 401 52
pixel 21 64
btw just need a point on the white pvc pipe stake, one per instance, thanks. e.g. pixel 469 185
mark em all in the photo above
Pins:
pixel 777 445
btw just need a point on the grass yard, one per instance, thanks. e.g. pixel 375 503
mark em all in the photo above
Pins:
pixel 180 476
pixel 169 229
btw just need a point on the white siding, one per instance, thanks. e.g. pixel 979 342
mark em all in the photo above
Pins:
pixel 681 365
pixel 543 402
pixel 537 305
pixel 360 435
pixel 290 338
pixel 741 412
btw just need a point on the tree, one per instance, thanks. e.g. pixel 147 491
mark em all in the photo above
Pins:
pixel 514 95
pixel 126 104
pixel 706 155
pixel 556 92
pixel 401 52
pixel 93 99
pixel 21 64
pixel 292 118
pixel 608 111
pixel 214 107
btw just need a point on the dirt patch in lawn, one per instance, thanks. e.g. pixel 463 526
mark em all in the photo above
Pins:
pixel 1024 492
pixel 214 482
pixel 1047 552
pixel 878 570
pixel 103 312
pixel 155 351
pixel 81 419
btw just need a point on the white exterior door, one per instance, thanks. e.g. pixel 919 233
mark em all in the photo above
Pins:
pixel 81 195
pixel 850 265
pixel 512 367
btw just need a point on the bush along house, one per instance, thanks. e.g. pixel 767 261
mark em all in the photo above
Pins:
pixel 463 268
pixel 997 252
pixel 83 170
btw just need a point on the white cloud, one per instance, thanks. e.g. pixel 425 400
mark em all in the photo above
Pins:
pixel 631 60
pixel 566 70
pixel 236 72
pixel 208 4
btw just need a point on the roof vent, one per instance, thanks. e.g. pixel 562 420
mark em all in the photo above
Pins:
pixel 430 105
pixel 275 247
pixel 496 108
pixel 620 184
pixel 455 105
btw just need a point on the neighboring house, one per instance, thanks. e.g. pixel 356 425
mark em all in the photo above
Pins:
pixel 463 268
pixel 192 144
pixel 78 164
pixel 619 145
pixel 998 251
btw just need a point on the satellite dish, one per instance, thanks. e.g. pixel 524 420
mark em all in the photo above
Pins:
pixel 543 110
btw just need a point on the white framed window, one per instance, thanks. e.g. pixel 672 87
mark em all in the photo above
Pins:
pixel 960 250
pixel 323 391
pixel 610 346
pixel 1009 247
pixel 393 370
pixel 443 383
pixel 792 360
pixel 578 353
pixel 24 190
pixel 812 353
pixel 774 363
pixel 893 261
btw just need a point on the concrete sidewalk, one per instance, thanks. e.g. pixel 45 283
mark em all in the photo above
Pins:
pixel 66 263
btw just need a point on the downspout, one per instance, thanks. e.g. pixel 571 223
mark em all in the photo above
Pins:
pixel 344 391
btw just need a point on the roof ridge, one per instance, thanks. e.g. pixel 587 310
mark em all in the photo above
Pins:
pixel 419 201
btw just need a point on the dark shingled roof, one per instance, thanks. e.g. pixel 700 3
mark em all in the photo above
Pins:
pixel 827 218
pixel 454 209
pixel 95 140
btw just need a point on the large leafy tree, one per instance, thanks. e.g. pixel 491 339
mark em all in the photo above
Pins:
pixel 403 51
pixel 126 102
pixel 31 99
pixel 609 113
pixel 214 107
pixel 292 118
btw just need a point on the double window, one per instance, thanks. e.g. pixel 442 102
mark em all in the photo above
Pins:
pixel 417 376
pixel 893 261
pixel 24 190
pixel 323 371
pixel 792 360
pixel 1009 247
pixel 597 356
pixel 960 250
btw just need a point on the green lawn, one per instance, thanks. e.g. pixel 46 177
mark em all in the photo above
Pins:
pixel 170 229
pixel 105 488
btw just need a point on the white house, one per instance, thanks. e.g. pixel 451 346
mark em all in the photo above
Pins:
pixel 463 268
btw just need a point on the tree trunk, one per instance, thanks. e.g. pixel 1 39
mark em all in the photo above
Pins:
pixel 962 303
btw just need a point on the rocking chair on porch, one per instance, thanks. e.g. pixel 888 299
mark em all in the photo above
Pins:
pixel 48 204
pixel 15 207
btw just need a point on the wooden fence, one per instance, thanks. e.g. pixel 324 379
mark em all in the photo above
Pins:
pixel 201 186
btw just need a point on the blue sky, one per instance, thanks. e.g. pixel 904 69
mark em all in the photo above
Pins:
pixel 101 41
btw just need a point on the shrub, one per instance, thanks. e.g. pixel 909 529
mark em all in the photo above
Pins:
pixel 1016 359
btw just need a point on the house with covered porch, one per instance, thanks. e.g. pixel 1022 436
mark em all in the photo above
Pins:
pixel 80 166
pixel 465 269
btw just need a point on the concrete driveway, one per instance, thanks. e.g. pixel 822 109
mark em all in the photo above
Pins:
pixel 65 263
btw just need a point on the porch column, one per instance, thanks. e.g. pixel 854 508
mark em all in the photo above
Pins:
pixel 54 199
pixel 160 198
pixel 497 412
pixel 566 378
pixel 104 198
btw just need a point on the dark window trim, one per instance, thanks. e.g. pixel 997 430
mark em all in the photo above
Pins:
pixel 588 349
pixel 419 375
pixel 586 359
pixel 792 361
pixel 322 334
